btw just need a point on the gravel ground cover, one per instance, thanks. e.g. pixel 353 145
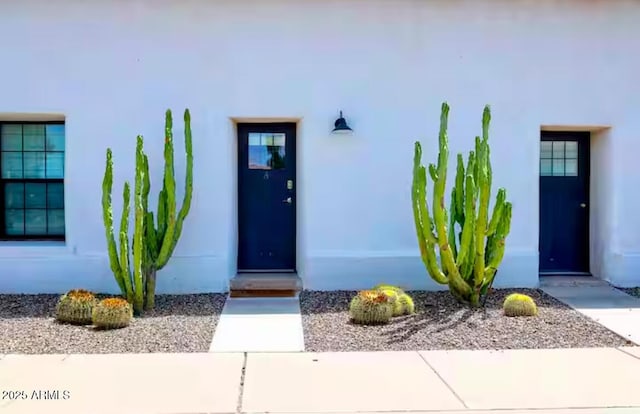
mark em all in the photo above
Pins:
pixel 441 323
pixel 179 323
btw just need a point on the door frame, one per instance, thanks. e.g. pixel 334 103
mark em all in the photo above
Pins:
pixel 585 161
pixel 264 123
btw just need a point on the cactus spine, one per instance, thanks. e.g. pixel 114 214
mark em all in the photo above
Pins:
pixel 152 247
pixel 469 259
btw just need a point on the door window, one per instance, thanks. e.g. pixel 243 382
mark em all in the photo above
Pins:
pixel 266 151
pixel 559 158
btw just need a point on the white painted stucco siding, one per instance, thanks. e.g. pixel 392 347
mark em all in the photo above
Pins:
pixel 113 67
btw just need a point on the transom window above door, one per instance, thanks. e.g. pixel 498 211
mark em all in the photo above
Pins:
pixel 32 181
pixel 559 158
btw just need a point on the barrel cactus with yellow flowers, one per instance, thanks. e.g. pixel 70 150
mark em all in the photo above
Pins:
pixel 112 313
pixel 393 297
pixel 371 307
pixel 134 267
pixel 75 307
pixel 470 238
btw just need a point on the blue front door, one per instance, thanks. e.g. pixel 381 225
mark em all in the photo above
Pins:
pixel 564 202
pixel 266 197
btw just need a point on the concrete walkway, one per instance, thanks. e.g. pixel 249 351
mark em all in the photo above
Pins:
pixel 259 325
pixel 610 307
pixel 561 381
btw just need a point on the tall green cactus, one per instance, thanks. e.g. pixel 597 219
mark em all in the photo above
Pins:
pixel 469 259
pixel 152 247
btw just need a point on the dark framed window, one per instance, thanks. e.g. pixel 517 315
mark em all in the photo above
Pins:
pixel 32 180
pixel 559 158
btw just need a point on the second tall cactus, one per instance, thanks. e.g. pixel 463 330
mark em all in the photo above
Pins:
pixel 469 259
pixel 152 246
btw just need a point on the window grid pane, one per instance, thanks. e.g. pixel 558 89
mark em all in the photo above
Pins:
pixel 32 158
pixel 35 222
pixel 11 137
pixel 35 195
pixel 545 167
pixel 559 158
pixel 54 164
pixel 11 164
pixel 571 149
pixel 14 222
pixel 55 222
pixel 558 167
pixel 14 195
pixel 571 168
pixel 55 195
pixel 558 149
pixel 266 151
pixel 545 149
pixel 33 164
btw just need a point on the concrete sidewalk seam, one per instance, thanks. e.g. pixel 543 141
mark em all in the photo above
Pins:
pixel 457 411
pixel 628 353
pixel 241 388
pixel 444 382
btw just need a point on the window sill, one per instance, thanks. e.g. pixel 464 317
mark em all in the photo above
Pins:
pixel 18 249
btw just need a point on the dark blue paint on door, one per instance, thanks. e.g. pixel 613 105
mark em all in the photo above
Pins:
pixel 266 196
pixel 564 202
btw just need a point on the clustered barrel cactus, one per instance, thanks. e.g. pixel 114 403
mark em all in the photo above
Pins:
pixel 401 301
pixel 75 307
pixel 112 313
pixel 152 245
pixel 469 258
pixel 370 307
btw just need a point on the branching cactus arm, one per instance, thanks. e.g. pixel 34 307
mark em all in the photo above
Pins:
pixel 422 219
pixel 465 256
pixel 162 217
pixel 459 191
pixel 188 184
pixel 169 194
pixel 124 242
pixel 481 220
pixel 138 232
pixel 496 244
pixel 439 213
pixel 107 216
pixel 497 211
pixel 452 224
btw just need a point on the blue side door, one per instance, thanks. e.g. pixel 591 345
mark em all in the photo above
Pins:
pixel 266 197
pixel 564 202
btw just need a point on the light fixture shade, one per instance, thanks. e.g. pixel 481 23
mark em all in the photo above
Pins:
pixel 340 126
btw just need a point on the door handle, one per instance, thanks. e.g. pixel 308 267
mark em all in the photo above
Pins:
pixel 583 205
pixel 287 200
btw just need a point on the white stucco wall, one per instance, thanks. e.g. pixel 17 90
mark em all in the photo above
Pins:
pixel 113 67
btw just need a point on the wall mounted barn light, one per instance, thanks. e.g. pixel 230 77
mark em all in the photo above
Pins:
pixel 340 126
